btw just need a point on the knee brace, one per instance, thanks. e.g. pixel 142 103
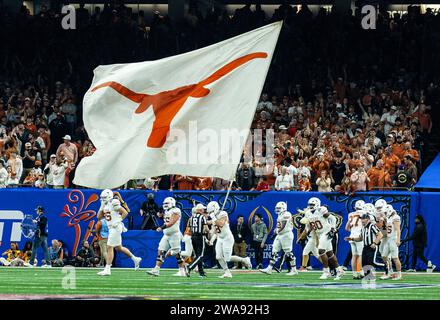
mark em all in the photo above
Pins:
pixel 178 258
pixel 161 256
pixel 291 259
pixel 274 257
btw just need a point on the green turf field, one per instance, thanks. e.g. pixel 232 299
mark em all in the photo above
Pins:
pixel 18 283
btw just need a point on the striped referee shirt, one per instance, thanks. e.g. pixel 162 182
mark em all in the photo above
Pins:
pixel 369 233
pixel 197 222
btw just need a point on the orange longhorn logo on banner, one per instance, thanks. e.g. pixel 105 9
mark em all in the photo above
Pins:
pixel 167 104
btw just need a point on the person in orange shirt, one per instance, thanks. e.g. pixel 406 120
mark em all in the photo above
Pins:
pixel 304 183
pixel 407 151
pixel 186 182
pixel 379 177
pixel 398 147
pixel 320 164
pixel 204 183
pixel 356 162
pixel 391 161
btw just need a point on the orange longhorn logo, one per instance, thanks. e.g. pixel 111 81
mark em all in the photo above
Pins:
pixel 167 104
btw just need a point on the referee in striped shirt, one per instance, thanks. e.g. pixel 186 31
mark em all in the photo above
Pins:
pixel 371 237
pixel 199 229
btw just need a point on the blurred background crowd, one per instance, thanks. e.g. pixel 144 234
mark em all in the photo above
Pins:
pixel 351 109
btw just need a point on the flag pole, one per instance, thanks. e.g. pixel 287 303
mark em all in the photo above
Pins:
pixel 227 193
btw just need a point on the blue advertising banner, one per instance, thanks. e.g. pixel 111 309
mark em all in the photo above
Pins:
pixel 72 216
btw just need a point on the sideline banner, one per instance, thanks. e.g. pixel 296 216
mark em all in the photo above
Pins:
pixel 72 215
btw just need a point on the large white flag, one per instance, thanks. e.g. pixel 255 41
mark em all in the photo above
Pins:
pixel 188 114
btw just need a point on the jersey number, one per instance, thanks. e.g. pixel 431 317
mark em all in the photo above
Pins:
pixel 317 225
pixel 389 229
pixel 356 218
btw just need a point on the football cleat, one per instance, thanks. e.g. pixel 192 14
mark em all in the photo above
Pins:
pixel 227 274
pixel 266 270
pixel 137 262
pixel 153 272
pixel 292 272
pixel 385 277
pixel 179 273
pixel 302 269
pixel 105 272
pixel 397 277
pixel 46 266
pixel 339 275
pixel 325 275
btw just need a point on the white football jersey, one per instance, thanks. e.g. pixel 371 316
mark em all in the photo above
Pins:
pixel 112 216
pixel 287 217
pixel 175 228
pixel 355 223
pixel 225 231
pixel 318 222
pixel 391 230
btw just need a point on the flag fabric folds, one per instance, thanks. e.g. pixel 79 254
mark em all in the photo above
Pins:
pixel 188 114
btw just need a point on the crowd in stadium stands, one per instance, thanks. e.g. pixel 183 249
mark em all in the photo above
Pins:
pixel 351 108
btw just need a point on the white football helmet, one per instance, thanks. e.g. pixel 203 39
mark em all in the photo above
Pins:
pixel 280 207
pixel 213 207
pixel 380 205
pixel 106 196
pixel 370 209
pixel 168 203
pixel 313 203
pixel 359 205
pixel 389 211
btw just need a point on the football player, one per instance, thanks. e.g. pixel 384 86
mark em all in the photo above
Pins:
pixel 370 210
pixel 380 206
pixel 354 225
pixel 171 236
pixel 283 240
pixel 225 239
pixel 311 244
pixel 322 224
pixel 114 213
pixel 390 244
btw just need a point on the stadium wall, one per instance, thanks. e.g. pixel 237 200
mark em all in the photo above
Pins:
pixel 72 216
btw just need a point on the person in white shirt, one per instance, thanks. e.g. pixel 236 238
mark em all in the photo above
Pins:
pixel 16 165
pixel 264 104
pixel 389 119
pixel 49 170
pixel 59 174
pixel 3 175
pixel 284 181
